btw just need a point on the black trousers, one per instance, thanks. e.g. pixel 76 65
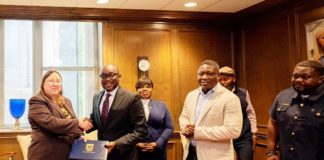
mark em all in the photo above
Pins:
pixel 243 149
pixel 192 155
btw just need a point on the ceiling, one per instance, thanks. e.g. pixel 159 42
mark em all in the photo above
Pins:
pixel 227 6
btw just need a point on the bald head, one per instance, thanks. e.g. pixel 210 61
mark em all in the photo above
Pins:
pixel 110 67
pixel 109 75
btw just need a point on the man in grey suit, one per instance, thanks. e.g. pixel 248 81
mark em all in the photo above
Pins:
pixel 119 116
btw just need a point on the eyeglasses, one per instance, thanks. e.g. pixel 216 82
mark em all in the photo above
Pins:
pixel 109 75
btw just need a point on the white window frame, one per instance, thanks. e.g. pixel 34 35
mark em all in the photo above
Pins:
pixel 38 61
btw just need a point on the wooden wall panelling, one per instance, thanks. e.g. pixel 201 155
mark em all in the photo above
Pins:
pixel 159 43
pixel 267 61
pixel 265 48
pixel 196 46
pixel 272 44
pixel 171 149
pixel 107 43
pixel 176 99
pixel 174 52
pixel 268 50
pixel 294 47
pixel 174 148
pixel 2 73
pixel 155 44
pixel 129 41
pixel 239 58
pixel 268 47
pixel 261 146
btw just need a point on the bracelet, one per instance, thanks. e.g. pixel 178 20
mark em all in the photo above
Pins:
pixel 271 153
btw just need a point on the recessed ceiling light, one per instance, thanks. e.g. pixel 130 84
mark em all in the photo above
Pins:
pixel 102 1
pixel 190 4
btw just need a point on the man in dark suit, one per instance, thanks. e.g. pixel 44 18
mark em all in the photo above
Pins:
pixel 119 116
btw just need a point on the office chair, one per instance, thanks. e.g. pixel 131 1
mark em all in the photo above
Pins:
pixel 24 141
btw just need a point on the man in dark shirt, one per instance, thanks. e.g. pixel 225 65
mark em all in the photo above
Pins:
pixel 245 144
pixel 297 116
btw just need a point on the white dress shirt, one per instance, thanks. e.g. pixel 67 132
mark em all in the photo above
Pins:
pixel 145 103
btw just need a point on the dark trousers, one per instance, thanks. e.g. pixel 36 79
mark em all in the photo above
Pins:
pixel 243 149
pixel 130 154
pixel 157 154
pixel 192 155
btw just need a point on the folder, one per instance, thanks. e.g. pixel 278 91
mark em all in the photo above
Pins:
pixel 90 150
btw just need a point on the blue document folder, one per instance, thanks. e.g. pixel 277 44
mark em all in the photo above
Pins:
pixel 90 150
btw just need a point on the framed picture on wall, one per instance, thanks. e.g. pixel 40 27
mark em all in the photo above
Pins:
pixel 315 40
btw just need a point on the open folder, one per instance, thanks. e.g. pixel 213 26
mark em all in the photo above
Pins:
pixel 90 150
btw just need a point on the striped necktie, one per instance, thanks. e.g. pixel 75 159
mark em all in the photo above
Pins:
pixel 105 109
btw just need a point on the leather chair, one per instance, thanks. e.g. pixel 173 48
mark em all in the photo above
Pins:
pixel 24 141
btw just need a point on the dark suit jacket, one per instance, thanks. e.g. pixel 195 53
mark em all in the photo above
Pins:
pixel 51 134
pixel 160 128
pixel 125 125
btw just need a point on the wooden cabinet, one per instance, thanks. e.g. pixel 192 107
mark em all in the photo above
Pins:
pixel 9 143
pixel 174 148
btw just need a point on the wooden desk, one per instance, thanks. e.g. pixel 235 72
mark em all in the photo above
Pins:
pixel 9 143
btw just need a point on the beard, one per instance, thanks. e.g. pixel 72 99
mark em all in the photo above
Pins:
pixel 305 90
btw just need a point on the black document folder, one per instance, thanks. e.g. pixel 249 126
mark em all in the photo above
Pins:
pixel 90 150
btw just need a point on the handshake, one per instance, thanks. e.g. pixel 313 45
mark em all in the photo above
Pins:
pixel 85 124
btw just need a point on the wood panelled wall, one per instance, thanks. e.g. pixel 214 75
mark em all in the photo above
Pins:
pixel 267 61
pixel 269 45
pixel 262 46
pixel 174 52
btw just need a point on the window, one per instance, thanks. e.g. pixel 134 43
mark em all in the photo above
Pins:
pixel 18 72
pixel 30 48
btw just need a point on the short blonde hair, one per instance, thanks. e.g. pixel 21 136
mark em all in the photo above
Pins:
pixel 318 49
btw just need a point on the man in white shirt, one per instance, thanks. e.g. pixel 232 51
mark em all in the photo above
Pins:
pixel 210 119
